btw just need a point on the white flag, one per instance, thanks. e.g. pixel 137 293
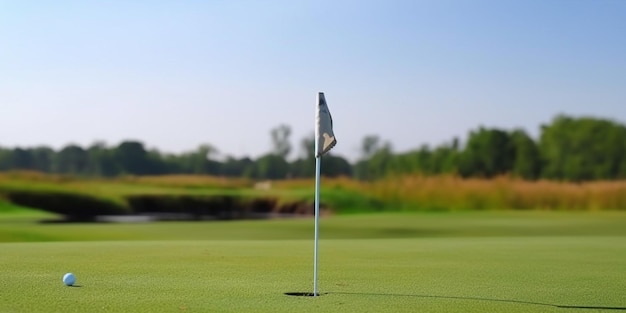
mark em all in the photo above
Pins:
pixel 324 136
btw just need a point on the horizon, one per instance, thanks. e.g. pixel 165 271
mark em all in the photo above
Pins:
pixel 177 75
pixel 296 151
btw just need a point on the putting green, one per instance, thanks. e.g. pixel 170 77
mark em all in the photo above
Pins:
pixel 393 275
pixel 536 262
pixel 20 227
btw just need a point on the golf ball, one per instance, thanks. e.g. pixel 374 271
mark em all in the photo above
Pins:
pixel 69 279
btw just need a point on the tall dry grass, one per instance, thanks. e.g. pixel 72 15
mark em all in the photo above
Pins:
pixel 304 183
pixel 189 181
pixel 445 193
pixel 454 193
pixel 176 181
pixel 408 192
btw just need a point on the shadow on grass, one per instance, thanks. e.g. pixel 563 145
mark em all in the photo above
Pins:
pixel 303 294
pixel 310 294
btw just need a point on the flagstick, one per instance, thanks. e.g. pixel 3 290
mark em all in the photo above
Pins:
pixel 317 220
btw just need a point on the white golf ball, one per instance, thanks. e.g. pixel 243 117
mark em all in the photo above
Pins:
pixel 69 279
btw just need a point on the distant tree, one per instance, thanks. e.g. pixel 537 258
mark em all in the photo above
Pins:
pixel 43 158
pixel 101 161
pixel 156 163
pixel 233 167
pixel 302 168
pixel 489 152
pixel 335 166
pixel 132 158
pixel 307 146
pixel 444 159
pixel 579 149
pixel 421 160
pixel 527 160
pixel 305 165
pixel 212 167
pixel 380 162
pixel 280 140
pixel 22 159
pixel 369 146
pixel 272 166
pixel 622 168
pixel 172 163
pixel 200 161
pixel 6 159
pixel 360 170
pixel 72 159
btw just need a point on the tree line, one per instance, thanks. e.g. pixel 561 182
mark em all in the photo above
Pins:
pixel 568 148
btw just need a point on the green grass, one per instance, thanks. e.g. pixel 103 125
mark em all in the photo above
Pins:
pixel 16 228
pixel 454 262
pixel 10 212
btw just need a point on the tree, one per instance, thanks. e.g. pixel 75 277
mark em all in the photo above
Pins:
pixel 200 161
pixel 444 159
pixel 132 158
pixel 101 161
pixel 380 162
pixel 622 168
pixel 489 152
pixel 335 166
pixel 527 161
pixel 43 158
pixel 305 165
pixel 421 160
pixel 370 145
pixel 272 166
pixel 581 149
pixel 307 146
pixel 233 167
pixel 6 159
pixel 280 140
pixel 72 159
pixel 38 159
pixel 22 159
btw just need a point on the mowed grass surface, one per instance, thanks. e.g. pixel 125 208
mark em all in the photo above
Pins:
pixel 470 262
pixel 21 227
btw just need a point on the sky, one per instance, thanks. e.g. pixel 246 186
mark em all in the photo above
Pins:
pixel 178 74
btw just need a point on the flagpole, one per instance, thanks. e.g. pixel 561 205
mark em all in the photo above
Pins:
pixel 317 221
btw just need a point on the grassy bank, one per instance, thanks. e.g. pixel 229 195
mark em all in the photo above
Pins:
pixel 341 195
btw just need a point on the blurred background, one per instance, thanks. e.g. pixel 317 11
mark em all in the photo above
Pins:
pixel 437 105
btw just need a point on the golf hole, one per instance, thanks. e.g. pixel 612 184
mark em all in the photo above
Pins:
pixel 302 294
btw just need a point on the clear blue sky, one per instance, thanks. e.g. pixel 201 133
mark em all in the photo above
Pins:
pixel 176 74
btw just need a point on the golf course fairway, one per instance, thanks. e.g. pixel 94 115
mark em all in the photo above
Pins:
pixel 452 262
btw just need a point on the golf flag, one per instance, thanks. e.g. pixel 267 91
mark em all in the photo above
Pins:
pixel 324 141
pixel 324 136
